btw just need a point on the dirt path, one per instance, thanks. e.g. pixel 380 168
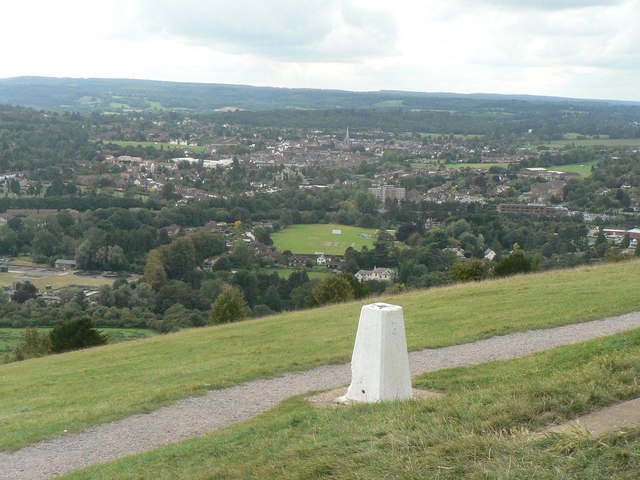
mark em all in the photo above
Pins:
pixel 195 416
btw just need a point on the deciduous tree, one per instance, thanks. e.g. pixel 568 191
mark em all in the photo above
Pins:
pixel 230 306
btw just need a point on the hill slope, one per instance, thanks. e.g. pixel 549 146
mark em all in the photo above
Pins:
pixel 102 94
pixel 44 397
pixel 483 427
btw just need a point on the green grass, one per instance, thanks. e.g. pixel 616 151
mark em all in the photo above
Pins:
pixel 312 238
pixel 43 397
pixel 10 336
pixel 166 146
pixel 480 428
pixel 388 104
pixel 313 274
pixel 583 169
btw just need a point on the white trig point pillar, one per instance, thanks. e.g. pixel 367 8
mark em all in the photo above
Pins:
pixel 380 363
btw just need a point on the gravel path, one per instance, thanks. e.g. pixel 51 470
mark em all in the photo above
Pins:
pixel 195 416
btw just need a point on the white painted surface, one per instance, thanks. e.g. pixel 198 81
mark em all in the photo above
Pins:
pixel 380 363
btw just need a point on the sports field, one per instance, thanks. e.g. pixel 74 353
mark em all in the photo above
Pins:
pixel 583 169
pixel 320 237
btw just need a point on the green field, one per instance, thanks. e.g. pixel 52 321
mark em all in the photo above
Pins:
pixel 595 142
pixel 480 429
pixel 41 398
pixel 313 274
pixel 10 336
pixel 165 146
pixel 388 104
pixel 583 169
pixel 309 239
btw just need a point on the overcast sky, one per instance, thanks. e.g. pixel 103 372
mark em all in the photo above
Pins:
pixel 572 48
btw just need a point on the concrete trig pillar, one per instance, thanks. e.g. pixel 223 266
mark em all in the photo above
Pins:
pixel 380 363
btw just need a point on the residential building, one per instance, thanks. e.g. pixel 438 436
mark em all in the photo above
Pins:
pixel 388 192
pixel 380 274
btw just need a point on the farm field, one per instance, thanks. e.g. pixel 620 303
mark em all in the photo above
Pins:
pixel 595 142
pixel 57 280
pixel 10 336
pixel 313 238
pixel 166 146
pixel 142 375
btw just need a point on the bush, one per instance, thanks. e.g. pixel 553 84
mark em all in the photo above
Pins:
pixel 230 306
pixel 76 334
pixel 473 270
pixel 514 263
pixel 334 289
pixel 34 344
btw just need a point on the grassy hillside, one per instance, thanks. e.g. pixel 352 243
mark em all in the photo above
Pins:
pixel 480 429
pixel 42 398
pixel 9 337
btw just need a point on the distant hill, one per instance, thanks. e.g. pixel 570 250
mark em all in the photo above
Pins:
pixel 94 94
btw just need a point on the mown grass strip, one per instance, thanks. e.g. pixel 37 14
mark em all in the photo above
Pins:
pixel 480 429
pixel 42 398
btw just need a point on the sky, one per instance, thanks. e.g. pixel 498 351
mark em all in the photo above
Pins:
pixel 568 48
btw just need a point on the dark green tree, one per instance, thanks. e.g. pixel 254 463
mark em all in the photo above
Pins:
pixel 516 262
pixel 44 243
pixel 25 292
pixel 76 334
pixel 179 258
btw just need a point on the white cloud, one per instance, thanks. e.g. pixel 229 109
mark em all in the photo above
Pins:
pixel 587 48
pixel 289 30
pixel 548 5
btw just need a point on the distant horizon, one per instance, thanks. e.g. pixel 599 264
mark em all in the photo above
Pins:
pixel 582 49
pixel 380 90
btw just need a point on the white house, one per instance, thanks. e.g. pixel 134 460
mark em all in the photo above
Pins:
pixel 489 254
pixel 380 274
pixel 322 260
